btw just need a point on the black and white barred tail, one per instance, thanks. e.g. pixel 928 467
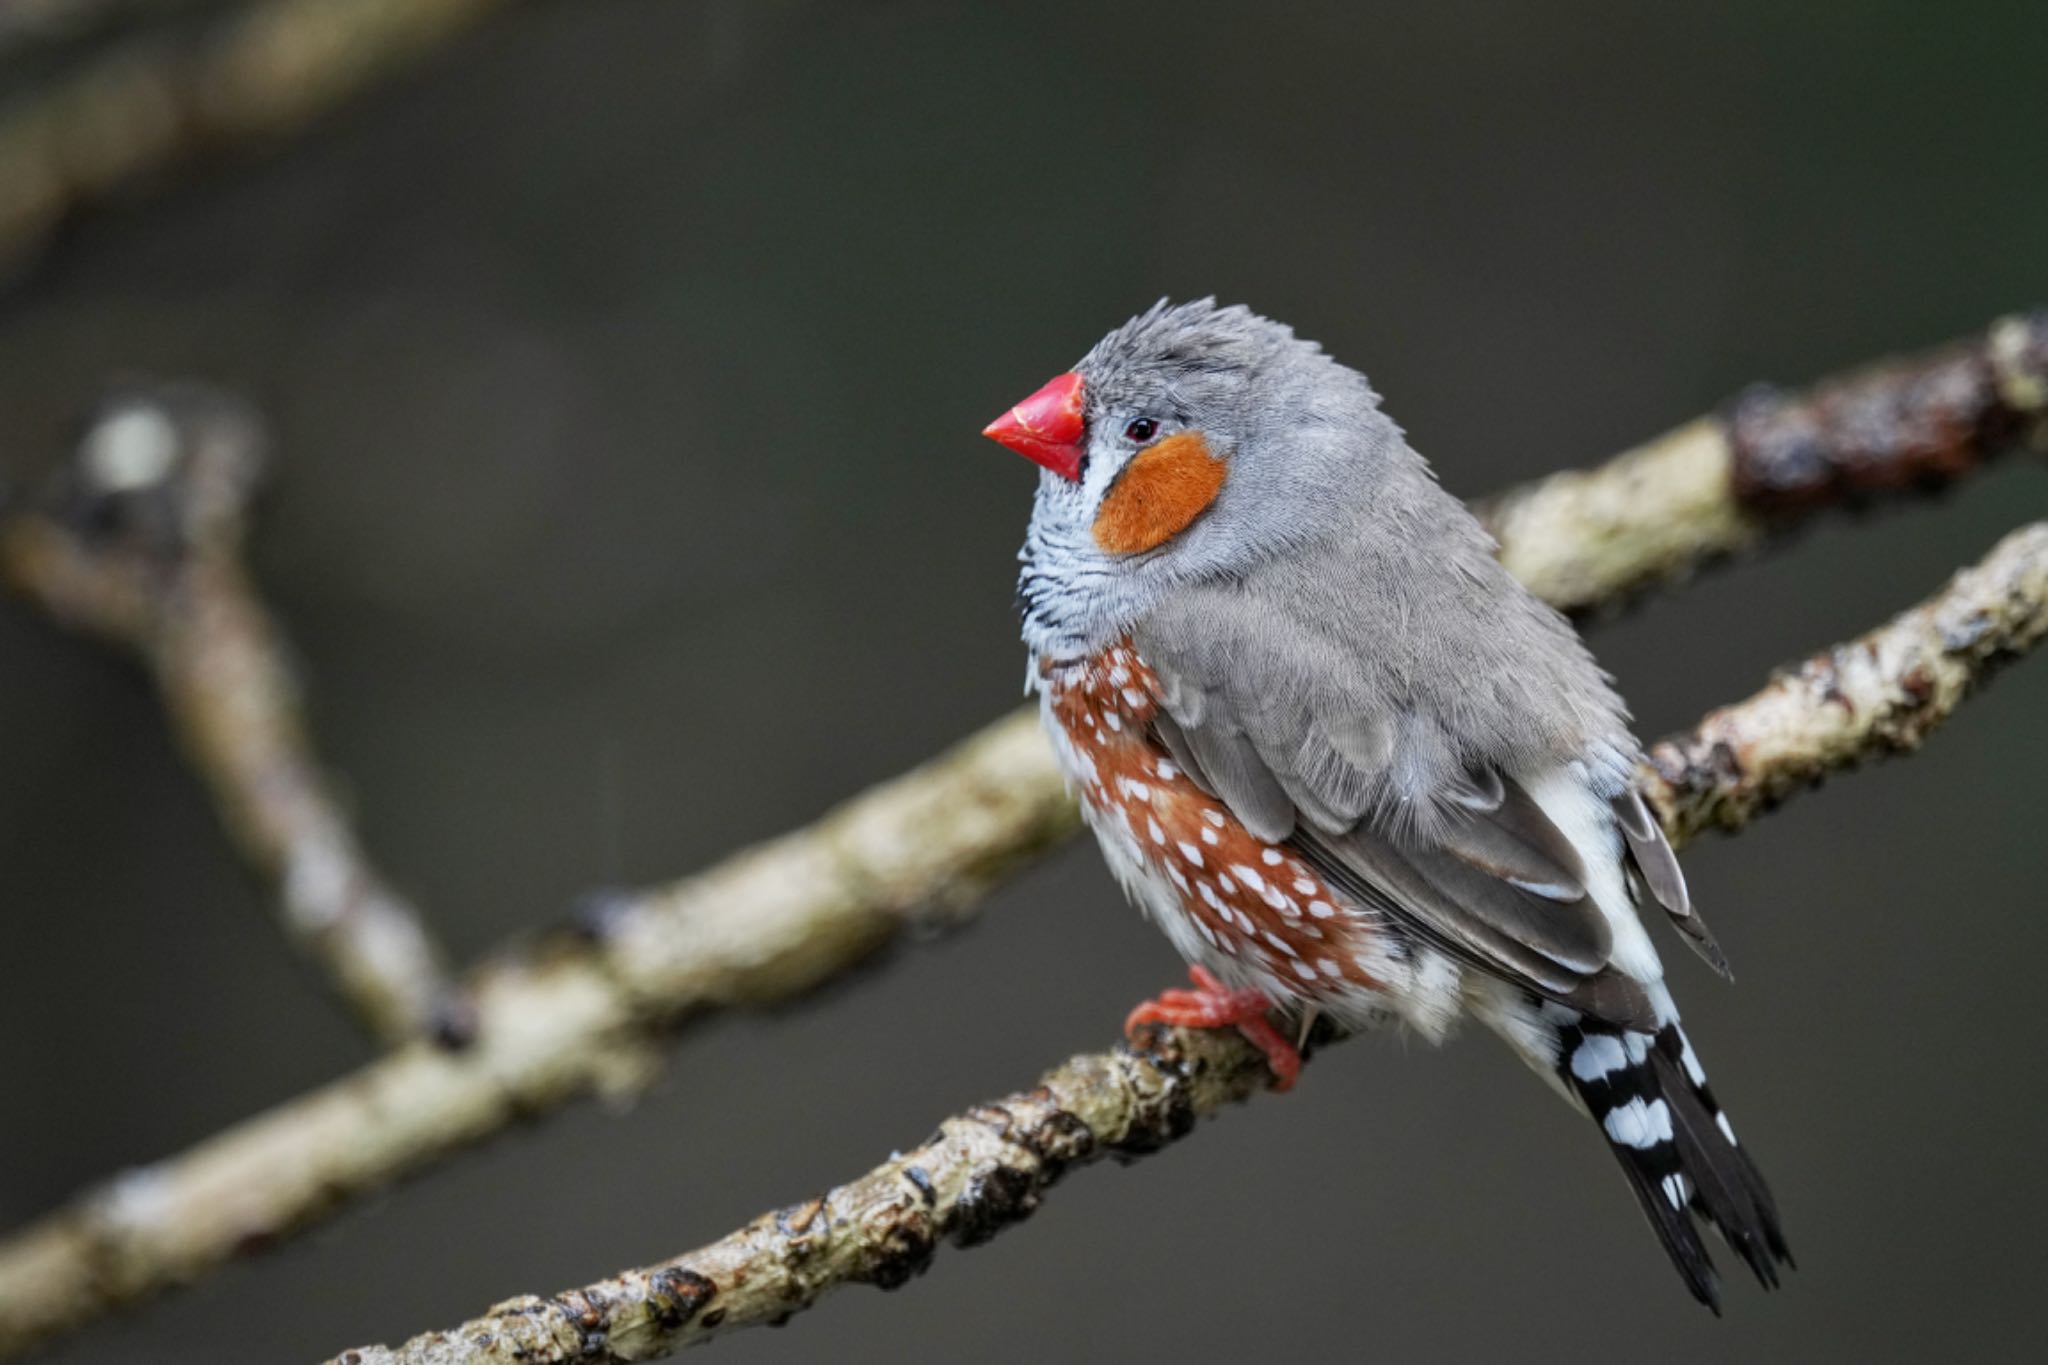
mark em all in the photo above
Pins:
pixel 1649 1095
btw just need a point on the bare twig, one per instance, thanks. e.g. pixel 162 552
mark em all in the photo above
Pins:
pixel 1719 485
pixel 145 104
pixel 988 1167
pixel 141 541
pixel 772 923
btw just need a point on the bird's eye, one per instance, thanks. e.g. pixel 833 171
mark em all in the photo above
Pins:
pixel 1141 430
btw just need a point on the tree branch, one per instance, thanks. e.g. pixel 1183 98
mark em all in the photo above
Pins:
pixel 140 541
pixel 1881 694
pixel 989 1167
pixel 1722 484
pixel 769 924
pixel 149 102
pixel 575 1016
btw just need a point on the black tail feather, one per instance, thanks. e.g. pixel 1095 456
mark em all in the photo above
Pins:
pixel 1675 1146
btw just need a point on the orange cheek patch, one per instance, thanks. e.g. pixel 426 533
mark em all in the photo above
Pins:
pixel 1163 489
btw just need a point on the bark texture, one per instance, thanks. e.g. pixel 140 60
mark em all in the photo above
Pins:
pixel 989 1166
pixel 582 1013
pixel 1721 484
pixel 1880 694
pixel 588 1014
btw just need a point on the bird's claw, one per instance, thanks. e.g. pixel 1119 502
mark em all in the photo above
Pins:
pixel 1212 1005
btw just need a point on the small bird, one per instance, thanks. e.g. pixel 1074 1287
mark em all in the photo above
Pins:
pixel 1342 757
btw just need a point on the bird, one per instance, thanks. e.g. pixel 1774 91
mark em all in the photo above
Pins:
pixel 1343 759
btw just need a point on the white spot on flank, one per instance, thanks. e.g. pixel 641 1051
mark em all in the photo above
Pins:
pixel 1190 852
pixel 1119 675
pixel 1178 880
pixel 1303 970
pixel 1167 772
pixel 1250 877
pixel 1321 909
pixel 1229 886
pixel 1304 887
pixel 1214 817
pixel 1133 698
pixel 1207 933
pixel 1116 722
pixel 1277 898
pixel 1137 791
pixel 1209 837
pixel 1271 857
pixel 1328 967
pixel 1209 895
pixel 1152 829
pixel 1282 944
pixel 1639 1125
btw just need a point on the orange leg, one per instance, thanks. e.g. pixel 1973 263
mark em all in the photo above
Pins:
pixel 1212 1005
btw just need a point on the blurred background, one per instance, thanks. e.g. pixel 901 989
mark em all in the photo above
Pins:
pixel 626 358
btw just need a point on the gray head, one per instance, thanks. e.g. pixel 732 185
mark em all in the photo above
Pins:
pixel 1191 443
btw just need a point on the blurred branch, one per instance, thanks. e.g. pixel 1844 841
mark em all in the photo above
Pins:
pixel 146 103
pixel 51 18
pixel 989 1167
pixel 28 23
pixel 570 1018
pixel 1721 485
pixel 770 924
pixel 140 541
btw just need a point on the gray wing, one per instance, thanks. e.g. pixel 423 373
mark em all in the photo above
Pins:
pixel 1479 871
pixel 1654 875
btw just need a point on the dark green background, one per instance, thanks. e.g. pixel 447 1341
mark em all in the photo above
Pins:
pixel 626 362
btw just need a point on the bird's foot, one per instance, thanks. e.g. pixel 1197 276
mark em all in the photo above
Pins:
pixel 1211 1004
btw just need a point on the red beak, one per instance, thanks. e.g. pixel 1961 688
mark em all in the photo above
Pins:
pixel 1046 428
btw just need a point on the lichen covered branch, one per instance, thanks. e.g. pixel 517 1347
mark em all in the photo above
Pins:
pixel 1719 485
pixel 989 1166
pixel 980 1172
pixel 140 540
pixel 1881 694
pixel 769 924
pixel 580 1014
